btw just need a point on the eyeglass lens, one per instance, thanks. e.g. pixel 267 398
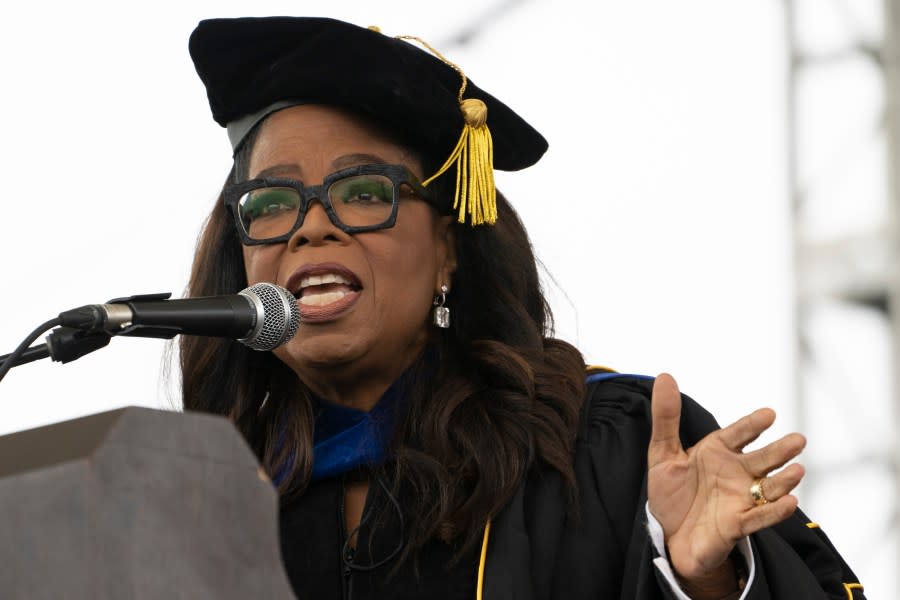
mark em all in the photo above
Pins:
pixel 358 201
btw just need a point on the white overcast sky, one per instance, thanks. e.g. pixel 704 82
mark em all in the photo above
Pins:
pixel 660 209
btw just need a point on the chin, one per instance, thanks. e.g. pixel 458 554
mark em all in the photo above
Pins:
pixel 320 351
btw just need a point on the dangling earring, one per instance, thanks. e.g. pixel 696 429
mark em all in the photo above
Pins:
pixel 441 312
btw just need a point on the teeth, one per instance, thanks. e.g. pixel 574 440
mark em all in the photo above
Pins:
pixel 322 299
pixel 323 279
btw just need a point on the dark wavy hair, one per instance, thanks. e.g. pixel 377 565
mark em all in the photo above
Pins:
pixel 504 399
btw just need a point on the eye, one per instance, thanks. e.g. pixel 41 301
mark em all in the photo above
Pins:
pixel 362 190
pixel 269 202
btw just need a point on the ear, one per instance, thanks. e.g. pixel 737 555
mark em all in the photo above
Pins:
pixel 445 245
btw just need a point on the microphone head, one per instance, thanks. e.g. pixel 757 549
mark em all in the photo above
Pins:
pixel 278 317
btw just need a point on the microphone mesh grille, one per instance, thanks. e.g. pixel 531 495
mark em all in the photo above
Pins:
pixel 280 318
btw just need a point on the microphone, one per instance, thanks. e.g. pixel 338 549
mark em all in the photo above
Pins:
pixel 263 316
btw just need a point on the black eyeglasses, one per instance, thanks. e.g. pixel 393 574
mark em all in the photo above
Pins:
pixel 364 198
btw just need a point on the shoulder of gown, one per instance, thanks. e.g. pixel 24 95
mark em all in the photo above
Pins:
pixel 602 548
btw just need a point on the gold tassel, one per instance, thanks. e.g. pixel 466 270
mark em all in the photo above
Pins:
pixel 473 156
pixel 476 194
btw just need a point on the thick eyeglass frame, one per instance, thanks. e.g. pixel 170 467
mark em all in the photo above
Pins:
pixel 398 174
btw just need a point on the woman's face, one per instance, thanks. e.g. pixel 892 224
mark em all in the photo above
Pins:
pixel 364 298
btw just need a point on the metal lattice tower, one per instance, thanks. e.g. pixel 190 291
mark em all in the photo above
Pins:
pixel 844 144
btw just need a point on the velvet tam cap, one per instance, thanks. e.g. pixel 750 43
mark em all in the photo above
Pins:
pixel 255 65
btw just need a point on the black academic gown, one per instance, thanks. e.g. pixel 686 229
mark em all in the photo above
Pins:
pixel 538 549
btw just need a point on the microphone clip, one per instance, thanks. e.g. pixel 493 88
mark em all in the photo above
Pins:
pixel 130 330
pixel 93 317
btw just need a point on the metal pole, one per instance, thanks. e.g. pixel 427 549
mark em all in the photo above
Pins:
pixel 891 66
pixel 796 203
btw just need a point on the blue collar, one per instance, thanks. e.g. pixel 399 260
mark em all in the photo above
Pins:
pixel 346 438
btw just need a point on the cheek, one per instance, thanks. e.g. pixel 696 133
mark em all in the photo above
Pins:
pixel 260 263
pixel 404 277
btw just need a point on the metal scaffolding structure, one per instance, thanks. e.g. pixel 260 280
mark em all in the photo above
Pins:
pixel 843 147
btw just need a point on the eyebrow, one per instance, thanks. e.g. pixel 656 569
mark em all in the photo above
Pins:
pixel 342 162
pixel 276 170
pixel 353 160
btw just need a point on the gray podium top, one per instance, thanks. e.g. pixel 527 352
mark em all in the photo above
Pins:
pixel 137 503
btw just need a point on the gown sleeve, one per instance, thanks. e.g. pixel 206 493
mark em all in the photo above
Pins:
pixel 793 560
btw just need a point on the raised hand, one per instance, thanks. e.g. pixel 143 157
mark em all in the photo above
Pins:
pixel 702 496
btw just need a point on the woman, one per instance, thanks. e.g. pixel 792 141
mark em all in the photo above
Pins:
pixel 420 455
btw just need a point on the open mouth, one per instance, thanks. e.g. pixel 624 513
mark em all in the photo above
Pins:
pixel 325 289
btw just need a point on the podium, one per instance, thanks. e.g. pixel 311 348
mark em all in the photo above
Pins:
pixel 140 504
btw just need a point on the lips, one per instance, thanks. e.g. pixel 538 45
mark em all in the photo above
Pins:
pixel 324 291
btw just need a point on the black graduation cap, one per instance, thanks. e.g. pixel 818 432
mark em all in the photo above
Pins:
pixel 252 66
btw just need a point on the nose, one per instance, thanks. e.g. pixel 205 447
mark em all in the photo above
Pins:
pixel 317 228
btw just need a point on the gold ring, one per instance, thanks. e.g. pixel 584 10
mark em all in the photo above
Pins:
pixel 758 493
